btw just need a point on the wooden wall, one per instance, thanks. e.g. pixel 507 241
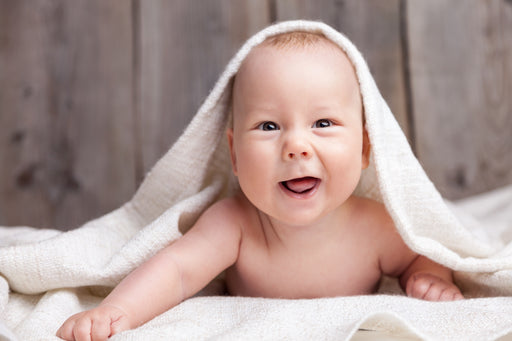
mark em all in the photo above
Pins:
pixel 93 92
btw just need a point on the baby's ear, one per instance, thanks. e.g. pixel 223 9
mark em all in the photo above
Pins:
pixel 229 134
pixel 366 150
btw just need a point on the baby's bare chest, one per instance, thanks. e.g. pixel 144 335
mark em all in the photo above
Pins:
pixel 333 270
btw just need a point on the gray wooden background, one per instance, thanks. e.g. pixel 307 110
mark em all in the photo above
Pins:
pixel 93 92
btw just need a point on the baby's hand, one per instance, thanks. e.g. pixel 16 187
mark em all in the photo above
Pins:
pixel 96 324
pixel 432 288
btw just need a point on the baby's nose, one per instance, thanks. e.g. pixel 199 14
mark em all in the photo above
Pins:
pixel 297 149
pixel 303 154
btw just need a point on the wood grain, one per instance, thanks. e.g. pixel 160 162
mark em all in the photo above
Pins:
pixel 461 77
pixel 65 111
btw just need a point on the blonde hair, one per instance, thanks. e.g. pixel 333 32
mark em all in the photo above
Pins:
pixel 295 39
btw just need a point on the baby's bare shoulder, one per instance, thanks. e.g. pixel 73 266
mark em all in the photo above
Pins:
pixel 374 215
pixel 233 207
pixel 222 217
pixel 380 229
pixel 230 212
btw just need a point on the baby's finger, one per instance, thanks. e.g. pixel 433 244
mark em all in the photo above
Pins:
pixel 448 294
pixel 451 294
pixel 82 329
pixel 418 286
pixel 434 292
pixel 100 329
pixel 454 295
pixel 458 296
pixel 66 330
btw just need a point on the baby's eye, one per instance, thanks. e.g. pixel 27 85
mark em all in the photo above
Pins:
pixel 323 123
pixel 268 126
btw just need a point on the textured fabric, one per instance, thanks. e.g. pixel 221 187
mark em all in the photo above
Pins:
pixel 48 275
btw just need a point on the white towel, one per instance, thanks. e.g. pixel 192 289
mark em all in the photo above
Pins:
pixel 48 275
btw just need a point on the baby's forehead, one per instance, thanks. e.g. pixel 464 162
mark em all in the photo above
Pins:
pixel 285 46
pixel 297 42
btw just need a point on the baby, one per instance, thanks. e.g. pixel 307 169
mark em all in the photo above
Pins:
pixel 295 230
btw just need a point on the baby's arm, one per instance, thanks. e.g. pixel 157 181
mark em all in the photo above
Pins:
pixel 172 275
pixel 430 281
pixel 419 276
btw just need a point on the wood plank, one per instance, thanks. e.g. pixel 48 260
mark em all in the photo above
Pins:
pixel 461 76
pixel 66 153
pixel 184 46
pixel 374 27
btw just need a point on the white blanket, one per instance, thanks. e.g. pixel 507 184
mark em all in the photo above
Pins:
pixel 48 275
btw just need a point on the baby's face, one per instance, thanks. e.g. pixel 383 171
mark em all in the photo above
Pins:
pixel 297 143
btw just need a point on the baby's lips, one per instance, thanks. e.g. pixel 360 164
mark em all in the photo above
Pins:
pixel 301 185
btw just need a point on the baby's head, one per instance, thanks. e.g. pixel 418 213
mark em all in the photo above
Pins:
pixel 298 125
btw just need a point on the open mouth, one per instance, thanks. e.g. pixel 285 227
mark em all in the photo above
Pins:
pixel 301 187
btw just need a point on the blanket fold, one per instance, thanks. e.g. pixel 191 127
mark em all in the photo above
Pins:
pixel 47 275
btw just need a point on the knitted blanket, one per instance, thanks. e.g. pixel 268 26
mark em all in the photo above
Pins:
pixel 47 275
